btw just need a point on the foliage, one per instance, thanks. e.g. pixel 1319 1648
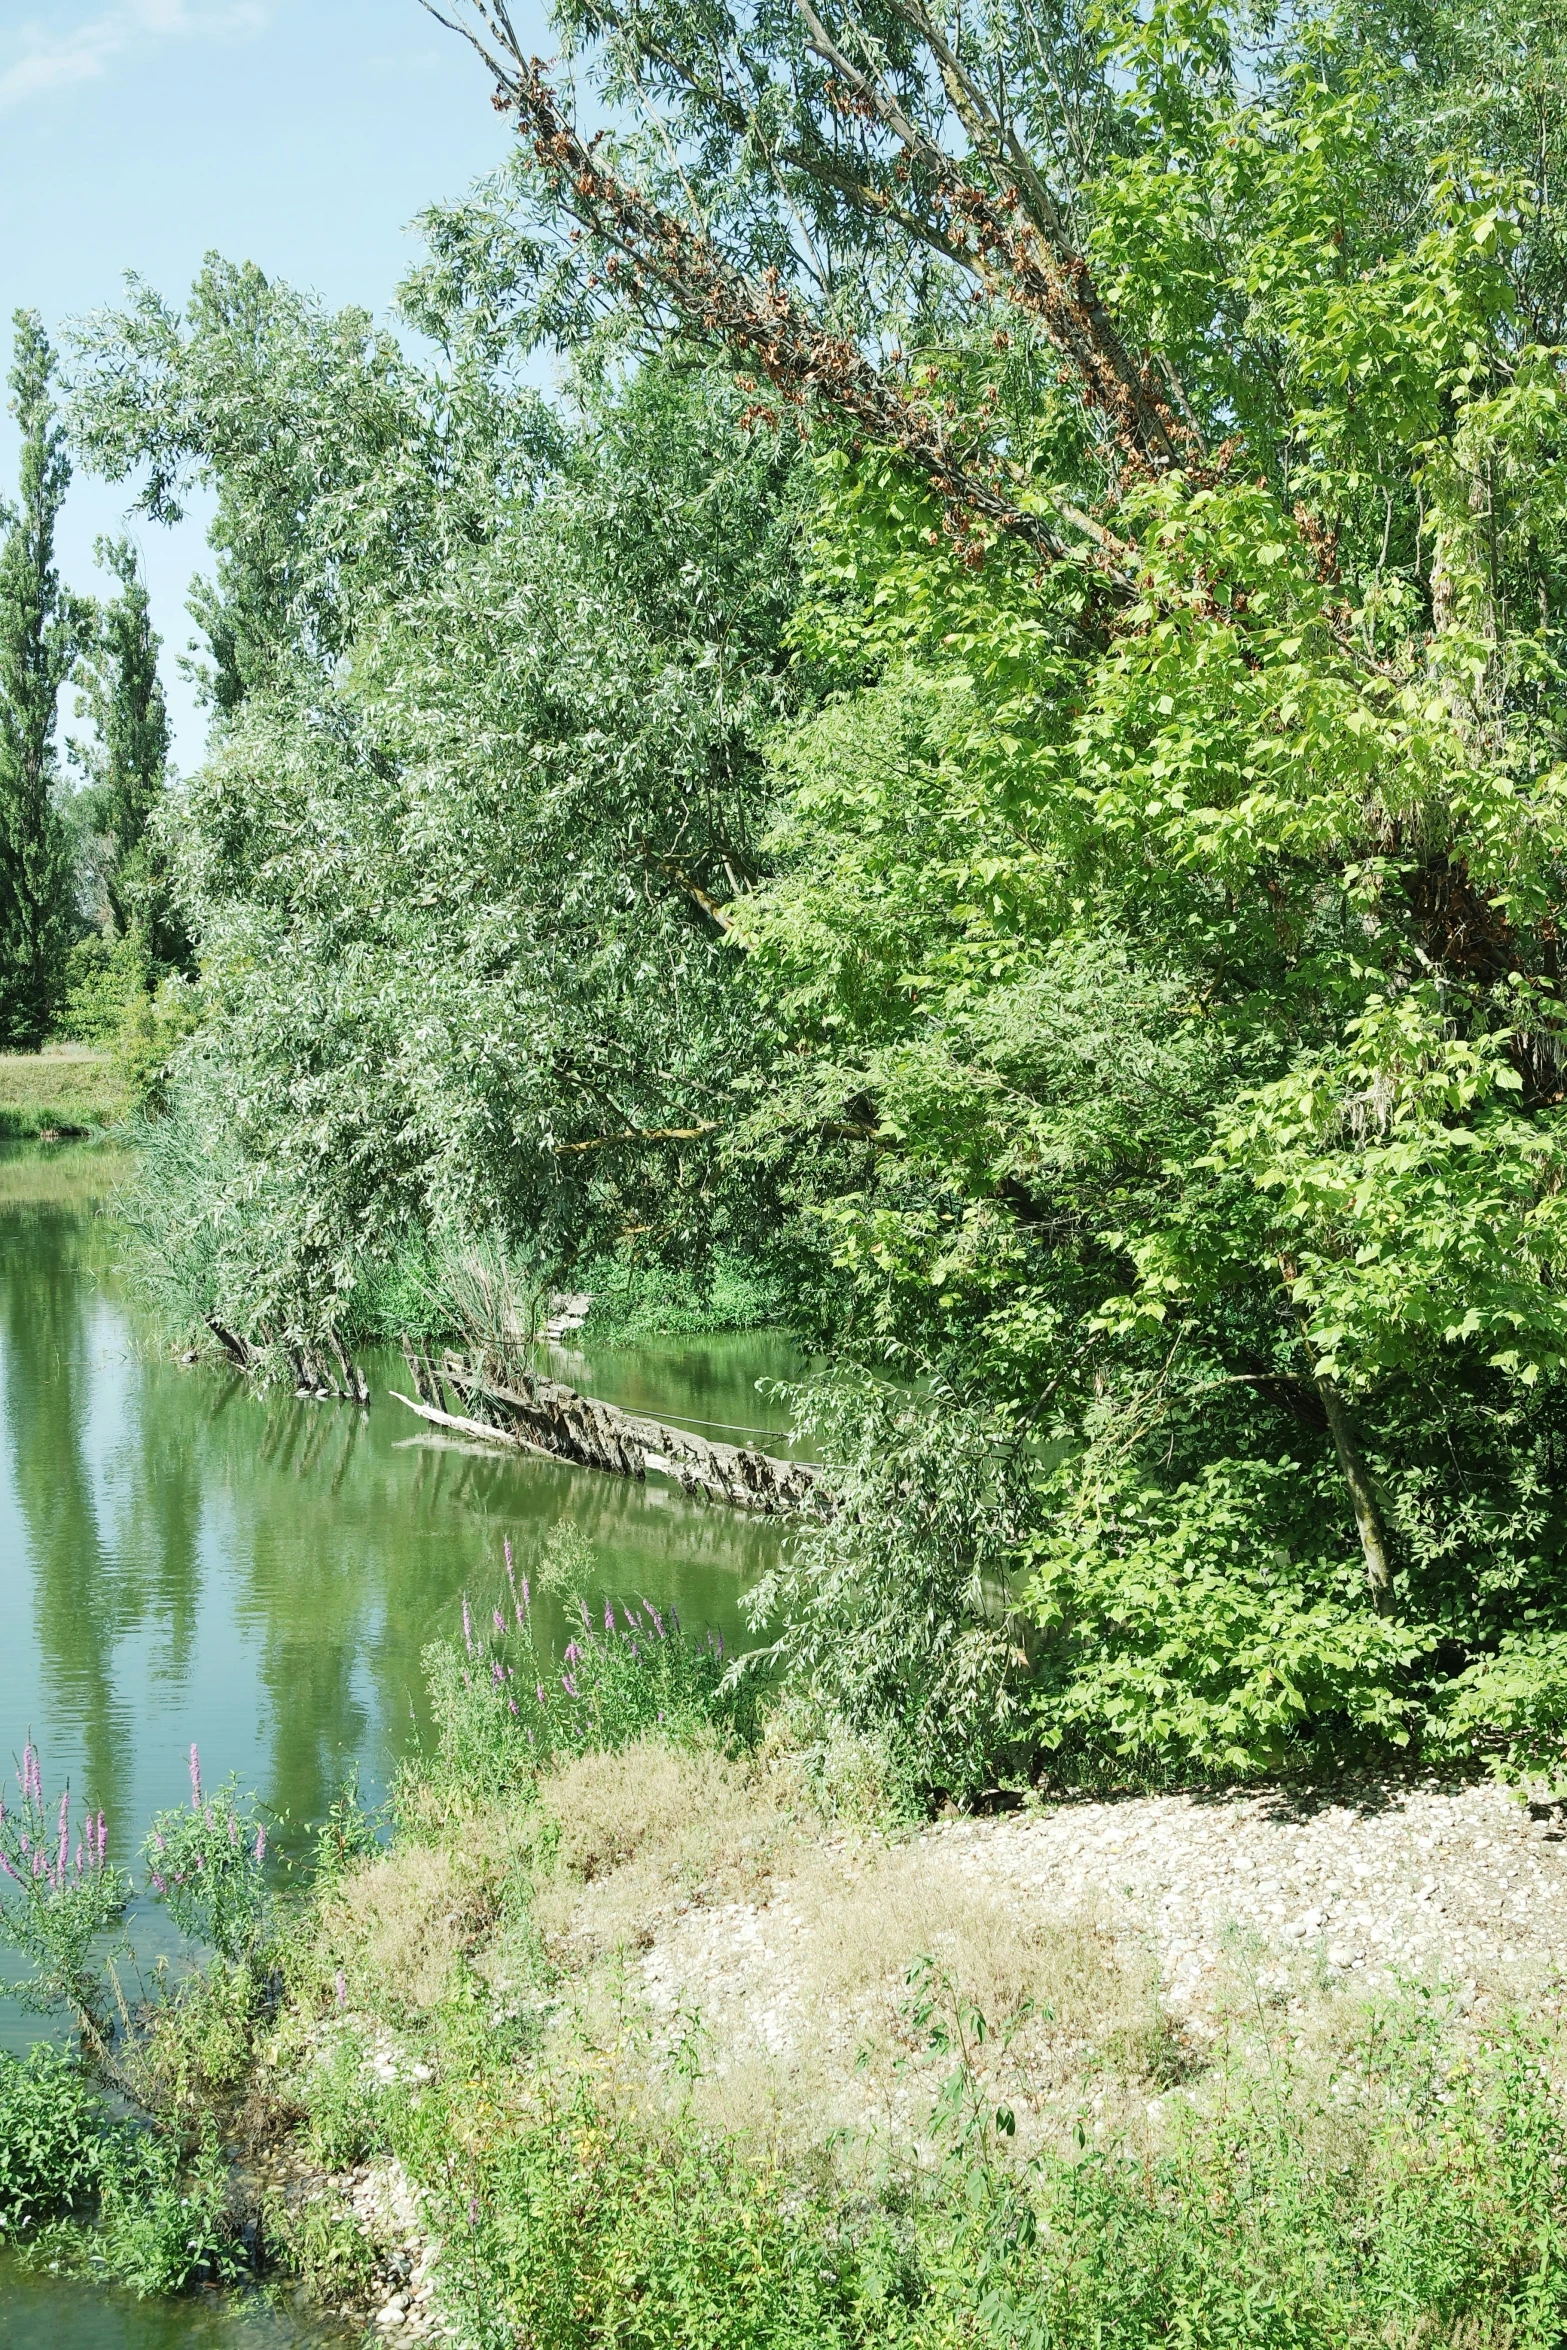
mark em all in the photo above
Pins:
pixel 127 769
pixel 504 1711
pixel 579 2225
pixel 1034 811
pixel 59 1910
pixel 898 1610
pixel 164 2225
pixel 1178 1626
pixel 51 2138
pixel 41 627
pixel 207 1865
pixel 319 2240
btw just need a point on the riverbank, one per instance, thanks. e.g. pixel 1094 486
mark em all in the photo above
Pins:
pixel 67 1090
pixel 684 2041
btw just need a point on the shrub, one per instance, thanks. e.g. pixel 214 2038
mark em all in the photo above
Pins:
pixel 163 2225
pixel 51 2139
pixel 207 1864
pixel 504 1710
pixel 893 1620
pixel 1176 1627
pixel 58 1910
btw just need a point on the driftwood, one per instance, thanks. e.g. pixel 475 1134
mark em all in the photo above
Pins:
pixel 512 1406
pixel 313 1377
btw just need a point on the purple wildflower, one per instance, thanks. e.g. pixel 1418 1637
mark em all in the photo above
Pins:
pixel 261 1844
pixel 10 1872
pixel 527 1596
pixel 568 1684
pixel 157 1837
pixel 158 1885
pixel 496 1674
pixel 573 1653
pixel 633 1620
pixel 103 1838
pixel 65 1839
pixel 38 1861
pixel 636 1652
pixel 233 1831
pixel 609 1615
pixel 658 1621
pixel 512 1702
pixel 539 1693
pixel 582 1610
pixel 506 1552
pixel 500 1623
pixel 467 1625
pixel 195 1779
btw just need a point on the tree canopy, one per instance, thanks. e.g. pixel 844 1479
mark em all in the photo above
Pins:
pixel 1000 747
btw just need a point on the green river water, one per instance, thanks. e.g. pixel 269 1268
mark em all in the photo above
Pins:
pixel 182 1560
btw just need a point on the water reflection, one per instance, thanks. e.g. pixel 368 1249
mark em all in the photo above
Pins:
pixel 182 1559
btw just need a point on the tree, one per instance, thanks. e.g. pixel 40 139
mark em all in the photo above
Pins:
pixel 41 626
pixel 128 762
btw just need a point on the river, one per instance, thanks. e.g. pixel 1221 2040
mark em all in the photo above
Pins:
pixel 185 1561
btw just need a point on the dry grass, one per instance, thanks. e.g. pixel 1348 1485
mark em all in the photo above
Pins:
pixel 653 1827
pixel 401 1924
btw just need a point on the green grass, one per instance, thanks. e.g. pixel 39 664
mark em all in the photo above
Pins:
pixel 62 1090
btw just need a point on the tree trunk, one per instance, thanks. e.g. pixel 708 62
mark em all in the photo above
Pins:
pixel 1367 1517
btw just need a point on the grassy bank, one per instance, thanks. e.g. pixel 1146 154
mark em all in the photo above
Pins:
pixel 67 1090
pixel 478 2077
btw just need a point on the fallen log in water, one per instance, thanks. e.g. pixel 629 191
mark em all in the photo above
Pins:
pixel 538 1415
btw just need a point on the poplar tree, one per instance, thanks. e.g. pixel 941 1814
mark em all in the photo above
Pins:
pixel 40 630
pixel 123 695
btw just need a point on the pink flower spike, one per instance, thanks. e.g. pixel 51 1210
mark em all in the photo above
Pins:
pixel 158 1885
pixel 609 1615
pixel 520 1618
pixel 103 1838
pixel 195 1778
pixel 467 1625
pixel 527 1596
pixel 500 1623
pixel 539 1693
pixel 10 1872
pixel 261 1844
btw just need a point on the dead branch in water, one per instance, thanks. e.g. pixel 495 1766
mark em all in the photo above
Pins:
pixel 543 1416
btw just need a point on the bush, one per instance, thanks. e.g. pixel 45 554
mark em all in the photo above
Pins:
pixel 207 1865
pixel 164 2226
pixel 893 1620
pixel 51 2139
pixel 103 977
pixel 1177 1628
pixel 503 1710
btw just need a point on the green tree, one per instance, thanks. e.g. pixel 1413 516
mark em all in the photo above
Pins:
pixel 127 762
pixel 40 634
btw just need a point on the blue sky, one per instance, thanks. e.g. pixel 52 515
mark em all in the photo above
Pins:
pixel 302 135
